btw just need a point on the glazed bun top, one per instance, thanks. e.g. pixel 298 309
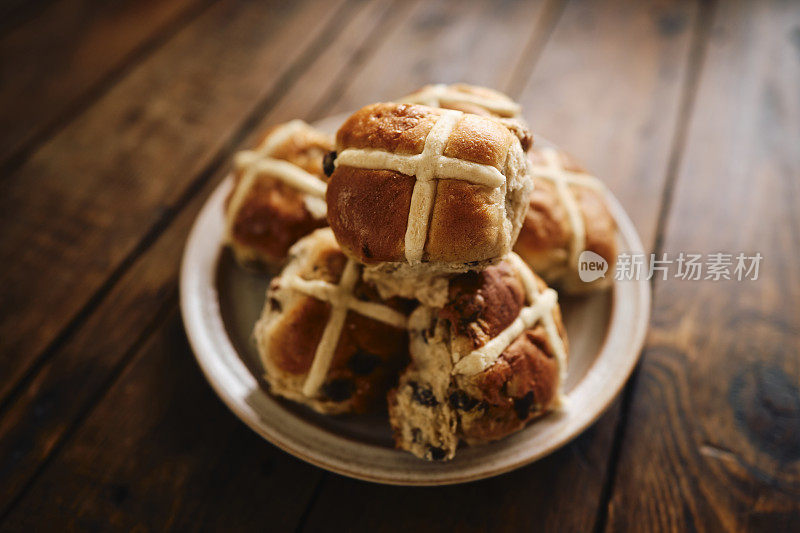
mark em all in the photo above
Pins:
pixel 477 101
pixel 415 184
pixel 466 98
pixel 402 129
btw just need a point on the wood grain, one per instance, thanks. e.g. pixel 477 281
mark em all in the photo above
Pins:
pixel 107 422
pixel 446 41
pixel 37 423
pixel 620 123
pixel 76 214
pixel 563 492
pixel 713 435
pixel 57 60
pixel 161 452
pixel 518 501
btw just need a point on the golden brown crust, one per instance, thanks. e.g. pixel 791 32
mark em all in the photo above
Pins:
pixel 400 129
pixel 546 236
pixel 326 265
pixel 306 149
pixel 526 366
pixel 520 386
pixel 465 222
pixel 482 304
pixel 546 225
pixel 468 223
pixel 599 225
pixel 366 361
pixel 523 383
pixel 273 215
pixel 294 341
pixel 480 140
pixel 368 212
pixel 368 355
pixel 474 100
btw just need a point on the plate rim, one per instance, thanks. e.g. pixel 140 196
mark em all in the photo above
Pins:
pixel 229 377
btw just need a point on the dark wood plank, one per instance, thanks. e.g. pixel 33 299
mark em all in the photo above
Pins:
pixel 563 492
pixel 713 435
pixel 447 41
pixel 54 62
pixel 517 501
pixel 16 12
pixel 37 423
pixel 84 205
pixel 161 452
pixel 620 123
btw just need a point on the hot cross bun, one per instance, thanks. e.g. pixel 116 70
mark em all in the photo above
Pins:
pixel 278 194
pixel 567 215
pixel 482 366
pixel 326 339
pixel 416 189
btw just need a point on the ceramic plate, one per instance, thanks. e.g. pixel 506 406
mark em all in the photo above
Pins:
pixel 220 302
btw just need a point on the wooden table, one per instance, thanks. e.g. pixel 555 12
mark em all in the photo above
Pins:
pixel 118 119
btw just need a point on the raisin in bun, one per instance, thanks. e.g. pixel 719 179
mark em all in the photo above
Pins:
pixel 278 194
pixel 567 215
pixel 489 361
pixel 325 338
pixel 420 190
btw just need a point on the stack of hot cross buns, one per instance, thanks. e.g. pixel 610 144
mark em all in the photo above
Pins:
pixel 408 251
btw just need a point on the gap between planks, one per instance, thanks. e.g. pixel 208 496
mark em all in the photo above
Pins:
pixel 312 501
pixel 94 92
pixel 696 61
pixel 167 307
pixel 542 30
